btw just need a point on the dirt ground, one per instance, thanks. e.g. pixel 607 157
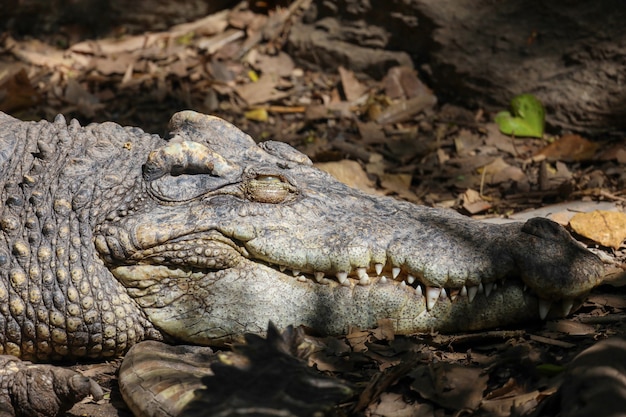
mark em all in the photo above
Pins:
pixel 389 136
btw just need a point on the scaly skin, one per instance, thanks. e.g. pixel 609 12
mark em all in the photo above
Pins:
pixel 111 236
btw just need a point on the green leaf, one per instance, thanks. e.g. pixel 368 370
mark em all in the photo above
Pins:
pixel 526 119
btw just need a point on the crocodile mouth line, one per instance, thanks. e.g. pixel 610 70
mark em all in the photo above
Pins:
pixel 381 275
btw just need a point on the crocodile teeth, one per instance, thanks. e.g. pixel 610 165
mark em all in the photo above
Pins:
pixel 379 269
pixel 567 306
pixel 342 277
pixel 410 279
pixel 383 280
pixel 361 272
pixel 544 308
pixel 319 276
pixel 471 293
pixel 432 295
pixel 301 278
pixel 395 271
pixel 463 292
pixel 443 294
pixel 418 290
pixel 282 268
pixel 403 284
pixel 295 272
pixel 488 288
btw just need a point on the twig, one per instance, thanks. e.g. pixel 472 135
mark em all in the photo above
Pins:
pixel 611 318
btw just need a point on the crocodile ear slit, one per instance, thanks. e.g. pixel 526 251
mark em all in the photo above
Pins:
pixel 185 157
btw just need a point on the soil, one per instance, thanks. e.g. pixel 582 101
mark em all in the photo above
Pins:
pixel 388 134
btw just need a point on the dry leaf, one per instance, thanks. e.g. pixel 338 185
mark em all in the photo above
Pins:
pixel 466 142
pixel 352 88
pixel 87 103
pixel 453 386
pixel 615 152
pixel 473 203
pixel 399 184
pixel 503 406
pixel 371 132
pixel 405 109
pixel 393 405
pixel 384 330
pixel 499 171
pixel 402 82
pixel 503 142
pixel 357 340
pixel 262 91
pixel 280 64
pixel 570 148
pixel 607 228
pixel 16 92
pixel 350 173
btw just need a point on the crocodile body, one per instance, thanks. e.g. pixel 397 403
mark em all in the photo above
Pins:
pixel 111 236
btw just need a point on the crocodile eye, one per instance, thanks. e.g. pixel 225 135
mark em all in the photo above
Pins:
pixel 268 189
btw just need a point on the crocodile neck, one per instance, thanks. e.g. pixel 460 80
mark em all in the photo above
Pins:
pixel 57 299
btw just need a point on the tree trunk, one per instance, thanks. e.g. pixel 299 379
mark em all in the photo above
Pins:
pixel 571 54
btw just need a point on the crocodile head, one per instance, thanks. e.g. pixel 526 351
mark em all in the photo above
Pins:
pixel 222 235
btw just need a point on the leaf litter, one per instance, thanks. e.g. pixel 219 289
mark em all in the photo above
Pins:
pixel 391 136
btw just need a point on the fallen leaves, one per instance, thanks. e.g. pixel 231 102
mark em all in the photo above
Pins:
pixel 232 63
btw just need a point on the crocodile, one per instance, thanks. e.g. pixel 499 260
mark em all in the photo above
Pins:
pixel 111 236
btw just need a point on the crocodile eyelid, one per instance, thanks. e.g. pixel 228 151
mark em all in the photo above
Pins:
pixel 269 178
pixel 185 157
